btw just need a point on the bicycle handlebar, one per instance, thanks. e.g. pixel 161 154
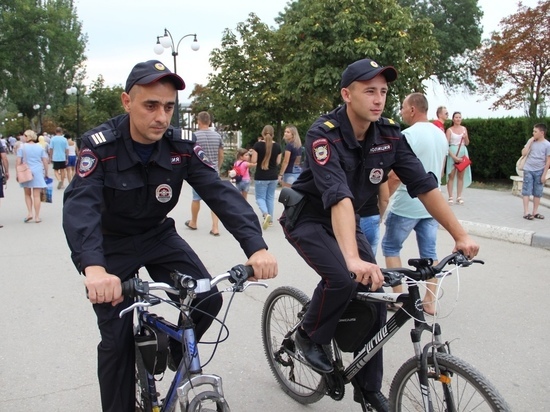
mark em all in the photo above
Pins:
pixel 424 268
pixel 237 275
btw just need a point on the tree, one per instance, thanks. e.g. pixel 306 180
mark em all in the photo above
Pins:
pixel 323 37
pixel 41 50
pixel 457 30
pixel 514 64
pixel 245 90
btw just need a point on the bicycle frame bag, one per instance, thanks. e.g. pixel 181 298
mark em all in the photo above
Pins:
pixel 153 346
pixel 354 325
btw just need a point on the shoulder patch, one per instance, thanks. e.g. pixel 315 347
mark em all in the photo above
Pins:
pixel 388 122
pixel 103 137
pixel 202 156
pixel 321 151
pixel 87 162
pixel 329 125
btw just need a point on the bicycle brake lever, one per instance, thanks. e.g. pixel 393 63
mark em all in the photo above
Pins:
pixel 244 286
pixel 133 306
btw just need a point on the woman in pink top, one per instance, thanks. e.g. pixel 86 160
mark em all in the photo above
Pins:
pixel 458 138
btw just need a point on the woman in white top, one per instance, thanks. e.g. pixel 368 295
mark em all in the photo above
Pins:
pixel 458 138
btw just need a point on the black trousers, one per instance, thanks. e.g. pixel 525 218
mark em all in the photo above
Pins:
pixel 160 251
pixel 316 243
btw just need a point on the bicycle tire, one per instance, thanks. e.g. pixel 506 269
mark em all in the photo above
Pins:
pixel 470 389
pixel 196 405
pixel 280 313
pixel 143 402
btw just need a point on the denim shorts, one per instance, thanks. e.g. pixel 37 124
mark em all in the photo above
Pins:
pixel 398 228
pixel 243 185
pixel 370 226
pixel 290 177
pixel 532 186
pixel 196 196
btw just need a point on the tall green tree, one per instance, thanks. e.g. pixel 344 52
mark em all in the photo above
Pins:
pixel 41 50
pixel 514 64
pixel 323 36
pixel 457 30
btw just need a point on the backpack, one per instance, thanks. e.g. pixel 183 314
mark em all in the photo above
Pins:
pixel 238 173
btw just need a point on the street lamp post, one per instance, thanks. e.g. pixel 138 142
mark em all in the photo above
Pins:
pixel 72 91
pixel 37 107
pixel 167 41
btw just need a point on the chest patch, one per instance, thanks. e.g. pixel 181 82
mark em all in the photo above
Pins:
pixel 175 158
pixel 376 176
pixel 382 148
pixel 163 193
pixel 202 156
pixel 87 162
pixel 321 151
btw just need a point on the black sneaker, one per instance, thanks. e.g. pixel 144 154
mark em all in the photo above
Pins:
pixel 312 352
pixel 376 399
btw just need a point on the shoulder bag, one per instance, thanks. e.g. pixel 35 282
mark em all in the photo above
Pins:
pixel 462 165
pixel 23 171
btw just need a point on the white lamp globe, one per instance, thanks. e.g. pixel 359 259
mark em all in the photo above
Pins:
pixel 195 46
pixel 165 41
pixel 158 49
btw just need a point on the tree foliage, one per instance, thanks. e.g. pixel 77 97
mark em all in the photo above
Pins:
pixel 41 50
pixel 457 30
pixel 514 64
pixel 323 37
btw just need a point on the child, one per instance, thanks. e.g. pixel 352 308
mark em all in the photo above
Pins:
pixel 242 165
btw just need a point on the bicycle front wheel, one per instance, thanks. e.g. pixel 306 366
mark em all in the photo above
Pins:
pixel 143 400
pixel 458 387
pixel 279 315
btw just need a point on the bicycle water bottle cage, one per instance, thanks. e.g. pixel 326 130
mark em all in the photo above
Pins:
pixel 153 346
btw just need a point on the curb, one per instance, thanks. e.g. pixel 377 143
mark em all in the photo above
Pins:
pixel 519 236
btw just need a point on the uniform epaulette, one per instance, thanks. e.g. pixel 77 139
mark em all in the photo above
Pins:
pixel 329 125
pixel 177 136
pixel 388 122
pixel 103 137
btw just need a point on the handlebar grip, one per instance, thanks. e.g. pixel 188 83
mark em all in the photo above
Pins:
pixel 128 288
pixel 240 273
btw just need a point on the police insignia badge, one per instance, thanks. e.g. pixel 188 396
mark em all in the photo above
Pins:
pixel 202 156
pixel 321 151
pixel 376 176
pixel 87 162
pixel 163 193
pixel 159 66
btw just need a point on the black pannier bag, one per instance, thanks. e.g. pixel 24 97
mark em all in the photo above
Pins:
pixel 354 325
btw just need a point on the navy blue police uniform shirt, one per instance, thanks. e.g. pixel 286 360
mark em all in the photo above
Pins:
pixel 113 192
pixel 341 167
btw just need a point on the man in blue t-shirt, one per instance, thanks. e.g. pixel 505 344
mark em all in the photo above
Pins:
pixel 59 155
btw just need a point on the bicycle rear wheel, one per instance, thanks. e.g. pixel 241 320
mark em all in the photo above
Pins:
pixel 458 387
pixel 280 314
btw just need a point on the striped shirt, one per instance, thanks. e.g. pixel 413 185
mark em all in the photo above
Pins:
pixel 211 142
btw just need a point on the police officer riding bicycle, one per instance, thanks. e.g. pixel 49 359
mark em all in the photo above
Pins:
pixel 130 174
pixel 350 152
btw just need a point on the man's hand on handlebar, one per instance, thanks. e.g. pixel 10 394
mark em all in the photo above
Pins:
pixel 468 246
pixel 264 265
pixel 102 287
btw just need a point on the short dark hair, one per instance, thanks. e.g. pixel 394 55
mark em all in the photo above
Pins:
pixel 542 127
pixel 419 101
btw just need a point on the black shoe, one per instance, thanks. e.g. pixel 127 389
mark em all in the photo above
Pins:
pixel 312 352
pixel 376 399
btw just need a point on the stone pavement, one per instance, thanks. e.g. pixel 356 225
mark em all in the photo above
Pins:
pixel 499 215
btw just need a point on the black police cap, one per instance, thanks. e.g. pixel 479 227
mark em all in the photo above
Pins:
pixel 151 71
pixel 366 69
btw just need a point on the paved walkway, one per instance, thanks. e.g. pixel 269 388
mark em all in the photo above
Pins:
pixel 499 215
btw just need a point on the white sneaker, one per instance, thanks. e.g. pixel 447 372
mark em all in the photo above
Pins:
pixel 267 220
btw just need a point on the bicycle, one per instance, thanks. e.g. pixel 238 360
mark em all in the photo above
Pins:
pixel 190 388
pixel 431 380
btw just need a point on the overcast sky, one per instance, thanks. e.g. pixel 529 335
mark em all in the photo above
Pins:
pixel 122 33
